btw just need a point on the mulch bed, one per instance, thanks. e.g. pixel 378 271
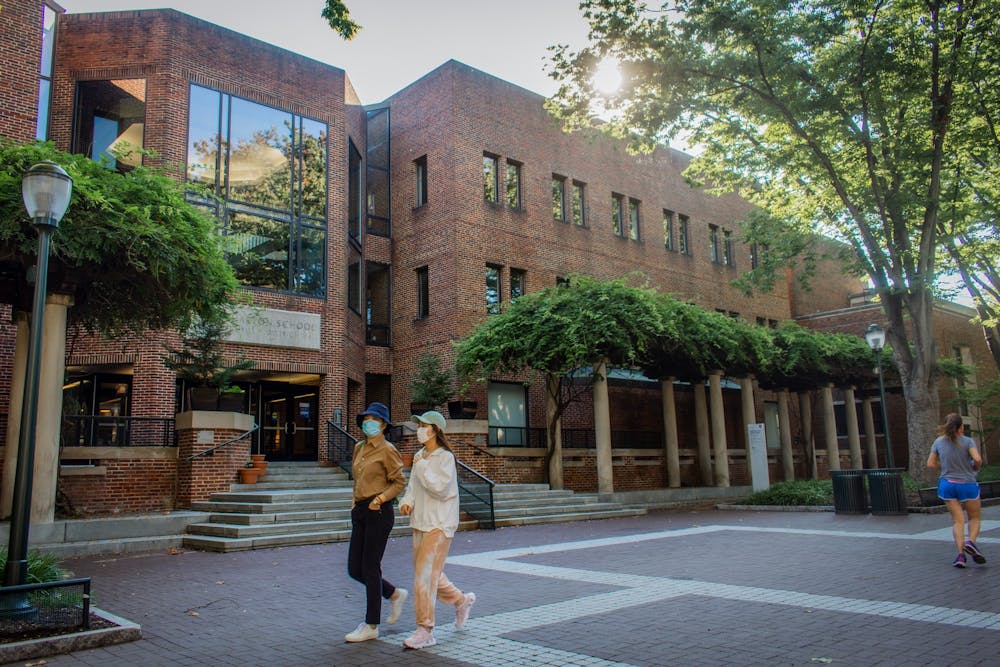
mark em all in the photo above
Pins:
pixel 49 623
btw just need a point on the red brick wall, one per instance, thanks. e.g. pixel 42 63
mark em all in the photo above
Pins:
pixel 20 60
pixel 129 486
pixel 202 476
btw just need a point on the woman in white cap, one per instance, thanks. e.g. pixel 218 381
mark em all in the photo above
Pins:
pixel 378 478
pixel 431 501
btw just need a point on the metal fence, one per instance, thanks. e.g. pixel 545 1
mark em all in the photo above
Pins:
pixel 53 606
pixel 572 438
pixel 100 431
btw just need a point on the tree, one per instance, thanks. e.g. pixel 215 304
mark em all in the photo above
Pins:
pixel 559 331
pixel 339 18
pixel 830 116
pixel 133 253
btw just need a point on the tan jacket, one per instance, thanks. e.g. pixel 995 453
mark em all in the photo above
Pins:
pixel 378 469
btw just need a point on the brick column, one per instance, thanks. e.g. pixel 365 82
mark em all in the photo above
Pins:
pixel 198 431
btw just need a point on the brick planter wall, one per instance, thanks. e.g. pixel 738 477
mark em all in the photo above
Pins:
pixel 199 478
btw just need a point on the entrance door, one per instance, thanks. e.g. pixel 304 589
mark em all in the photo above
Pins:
pixel 288 422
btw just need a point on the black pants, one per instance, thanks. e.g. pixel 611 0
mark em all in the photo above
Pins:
pixel 369 534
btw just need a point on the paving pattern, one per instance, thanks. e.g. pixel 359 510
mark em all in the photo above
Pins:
pixel 672 588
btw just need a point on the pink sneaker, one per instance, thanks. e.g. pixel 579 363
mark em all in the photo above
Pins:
pixel 421 638
pixel 462 610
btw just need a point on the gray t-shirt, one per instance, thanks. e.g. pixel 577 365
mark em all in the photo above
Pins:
pixel 956 464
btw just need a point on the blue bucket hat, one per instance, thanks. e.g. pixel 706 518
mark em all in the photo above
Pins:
pixel 376 410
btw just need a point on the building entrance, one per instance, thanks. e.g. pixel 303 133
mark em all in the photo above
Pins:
pixel 287 414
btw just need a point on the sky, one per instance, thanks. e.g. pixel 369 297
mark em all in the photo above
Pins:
pixel 400 40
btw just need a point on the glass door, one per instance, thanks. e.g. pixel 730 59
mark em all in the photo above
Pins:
pixel 288 422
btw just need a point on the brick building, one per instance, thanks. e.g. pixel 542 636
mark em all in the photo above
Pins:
pixel 369 236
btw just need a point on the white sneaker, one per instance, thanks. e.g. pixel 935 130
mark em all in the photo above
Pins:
pixel 362 633
pixel 397 600
pixel 422 638
pixel 462 610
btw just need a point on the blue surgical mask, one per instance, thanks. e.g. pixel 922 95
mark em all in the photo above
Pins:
pixel 371 427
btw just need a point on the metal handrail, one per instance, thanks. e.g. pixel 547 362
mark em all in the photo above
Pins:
pixel 211 450
pixel 478 493
pixel 340 447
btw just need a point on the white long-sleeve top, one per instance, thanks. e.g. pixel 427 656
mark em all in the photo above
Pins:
pixel 432 492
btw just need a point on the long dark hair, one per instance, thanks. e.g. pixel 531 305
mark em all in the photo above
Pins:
pixel 952 423
pixel 442 439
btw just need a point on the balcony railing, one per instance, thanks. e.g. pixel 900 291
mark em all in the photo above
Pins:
pixel 573 438
pixel 101 431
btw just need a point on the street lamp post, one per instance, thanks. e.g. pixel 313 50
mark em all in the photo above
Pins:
pixel 46 190
pixel 876 340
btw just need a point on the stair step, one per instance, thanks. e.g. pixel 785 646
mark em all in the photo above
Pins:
pixel 532 519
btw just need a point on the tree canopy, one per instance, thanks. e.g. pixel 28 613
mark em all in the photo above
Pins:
pixel 855 119
pixel 134 254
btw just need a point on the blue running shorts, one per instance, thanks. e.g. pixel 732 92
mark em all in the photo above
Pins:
pixel 948 490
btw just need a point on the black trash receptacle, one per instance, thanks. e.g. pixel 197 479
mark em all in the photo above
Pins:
pixel 886 488
pixel 849 492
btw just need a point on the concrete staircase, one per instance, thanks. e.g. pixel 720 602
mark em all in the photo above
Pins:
pixel 303 503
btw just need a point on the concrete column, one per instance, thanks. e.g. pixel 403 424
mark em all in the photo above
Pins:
pixel 871 448
pixel 749 416
pixel 672 448
pixel 602 430
pixel 853 436
pixel 785 431
pixel 830 428
pixel 720 448
pixel 701 424
pixel 49 426
pixel 805 409
pixel 21 340
pixel 555 462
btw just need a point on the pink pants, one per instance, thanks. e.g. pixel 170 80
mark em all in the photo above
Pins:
pixel 430 549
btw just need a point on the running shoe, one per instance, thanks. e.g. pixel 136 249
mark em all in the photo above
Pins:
pixel 959 560
pixel 973 550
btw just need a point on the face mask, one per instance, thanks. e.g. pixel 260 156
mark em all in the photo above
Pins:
pixel 371 428
pixel 424 433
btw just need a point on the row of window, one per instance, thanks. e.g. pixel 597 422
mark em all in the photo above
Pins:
pixel 569 205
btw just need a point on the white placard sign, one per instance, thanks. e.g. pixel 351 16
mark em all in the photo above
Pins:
pixel 758 457
pixel 279 328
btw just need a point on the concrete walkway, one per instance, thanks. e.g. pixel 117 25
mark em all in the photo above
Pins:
pixel 671 588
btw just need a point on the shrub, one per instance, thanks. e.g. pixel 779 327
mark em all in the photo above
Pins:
pixel 802 492
pixel 41 567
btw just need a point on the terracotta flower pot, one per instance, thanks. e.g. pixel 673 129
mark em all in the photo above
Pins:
pixel 249 475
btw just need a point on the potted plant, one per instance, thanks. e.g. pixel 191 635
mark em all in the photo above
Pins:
pixel 249 474
pixel 431 386
pixel 200 364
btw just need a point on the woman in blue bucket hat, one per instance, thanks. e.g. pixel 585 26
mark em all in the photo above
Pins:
pixel 378 478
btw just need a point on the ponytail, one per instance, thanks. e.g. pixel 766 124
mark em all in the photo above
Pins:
pixel 952 423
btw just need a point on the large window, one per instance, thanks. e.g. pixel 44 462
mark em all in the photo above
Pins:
pixel 713 243
pixel 493 289
pixel 110 117
pixel 727 247
pixel 355 202
pixel 266 170
pixel 508 414
pixel 491 176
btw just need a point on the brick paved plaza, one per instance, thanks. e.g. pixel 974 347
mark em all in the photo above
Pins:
pixel 671 588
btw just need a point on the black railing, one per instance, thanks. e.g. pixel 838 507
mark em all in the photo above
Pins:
pixel 475 494
pixel 211 450
pixel 340 447
pixel 572 438
pixel 48 603
pixel 102 431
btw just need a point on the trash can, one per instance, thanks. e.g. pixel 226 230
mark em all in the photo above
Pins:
pixel 849 492
pixel 886 488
